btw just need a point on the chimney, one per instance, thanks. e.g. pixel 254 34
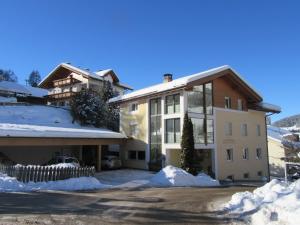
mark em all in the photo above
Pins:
pixel 168 77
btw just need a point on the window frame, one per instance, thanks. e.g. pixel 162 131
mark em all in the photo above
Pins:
pixel 173 105
pixel 135 109
pixel 244 129
pixel 231 155
pixel 227 104
pixel 230 130
pixel 245 155
pixel 174 131
pixel 260 155
pixel 240 105
pixel 135 131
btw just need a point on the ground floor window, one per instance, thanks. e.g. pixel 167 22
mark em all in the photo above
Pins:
pixel 136 155
pixel 246 175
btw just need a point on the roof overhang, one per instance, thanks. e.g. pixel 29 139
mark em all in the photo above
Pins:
pixel 54 141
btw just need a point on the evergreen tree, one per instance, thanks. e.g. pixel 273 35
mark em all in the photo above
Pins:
pixel 107 91
pixel 8 75
pixel 34 78
pixel 187 146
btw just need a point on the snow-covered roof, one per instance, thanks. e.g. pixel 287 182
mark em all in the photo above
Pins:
pixel 269 107
pixel 22 89
pixel 277 133
pixel 99 75
pixel 177 83
pixel 46 121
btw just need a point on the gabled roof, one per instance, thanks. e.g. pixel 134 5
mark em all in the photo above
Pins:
pixel 188 80
pixel 16 88
pixel 85 73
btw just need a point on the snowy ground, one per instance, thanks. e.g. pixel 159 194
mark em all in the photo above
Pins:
pixel 274 203
pixel 168 177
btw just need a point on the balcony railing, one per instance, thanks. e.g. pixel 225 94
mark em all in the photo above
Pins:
pixel 65 82
pixel 62 95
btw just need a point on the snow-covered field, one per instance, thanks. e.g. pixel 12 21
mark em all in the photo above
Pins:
pixel 274 203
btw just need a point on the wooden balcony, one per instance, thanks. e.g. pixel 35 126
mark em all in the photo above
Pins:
pixel 65 82
pixel 62 95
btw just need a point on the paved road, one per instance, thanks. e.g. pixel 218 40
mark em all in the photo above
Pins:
pixel 143 206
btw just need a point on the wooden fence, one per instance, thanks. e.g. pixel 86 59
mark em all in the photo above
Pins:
pixel 46 173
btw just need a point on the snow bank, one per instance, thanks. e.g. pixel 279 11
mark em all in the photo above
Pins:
pixel 11 184
pixel 274 203
pixel 62 165
pixel 171 176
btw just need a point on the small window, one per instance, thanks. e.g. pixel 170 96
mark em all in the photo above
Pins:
pixel 258 130
pixel 246 175
pixel 141 155
pixel 228 129
pixel 240 104
pixel 132 155
pixel 229 154
pixel 227 103
pixel 230 177
pixel 133 107
pixel 244 130
pixel 245 153
pixel 259 173
pixel 133 130
pixel 258 153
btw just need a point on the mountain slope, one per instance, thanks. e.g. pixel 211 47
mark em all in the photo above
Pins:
pixel 288 121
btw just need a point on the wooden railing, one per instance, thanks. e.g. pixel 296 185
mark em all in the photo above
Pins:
pixel 65 82
pixel 45 173
pixel 61 95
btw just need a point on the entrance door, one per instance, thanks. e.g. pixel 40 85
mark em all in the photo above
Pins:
pixel 89 155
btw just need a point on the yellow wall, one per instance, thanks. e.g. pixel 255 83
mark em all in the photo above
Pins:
pixel 238 166
pixel 276 151
pixel 140 141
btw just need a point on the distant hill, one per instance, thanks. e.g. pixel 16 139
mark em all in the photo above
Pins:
pixel 288 121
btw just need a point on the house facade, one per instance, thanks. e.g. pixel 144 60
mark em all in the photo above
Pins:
pixel 228 118
pixel 65 80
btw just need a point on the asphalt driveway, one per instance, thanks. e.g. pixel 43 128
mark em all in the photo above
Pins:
pixel 118 206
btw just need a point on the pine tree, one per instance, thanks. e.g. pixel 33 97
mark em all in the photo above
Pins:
pixel 187 146
pixel 34 78
pixel 8 75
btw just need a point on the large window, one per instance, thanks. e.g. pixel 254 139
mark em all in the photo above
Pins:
pixel 199 135
pixel 208 98
pixel 173 130
pixel 172 104
pixel 155 130
pixel 195 100
pixel 200 99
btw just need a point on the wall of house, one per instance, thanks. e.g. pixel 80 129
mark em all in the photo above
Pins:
pixel 238 166
pixel 223 88
pixel 276 151
pixel 36 155
pixel 138 142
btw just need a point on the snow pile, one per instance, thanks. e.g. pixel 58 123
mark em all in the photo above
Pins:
pixel 11 184
pixel 274 203
pixel 62 165
pixel 171 176
pixel 7 99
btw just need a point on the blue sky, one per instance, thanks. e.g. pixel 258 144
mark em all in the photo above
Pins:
pixel 141 40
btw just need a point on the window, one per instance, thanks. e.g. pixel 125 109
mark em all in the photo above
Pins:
pixel 229 154
pixel 200 99
pixel 228 129
pixel 133 129
pixel 133 107
pixel 198 126
pixel 210 131
pixel 246 175
pixel 195 100
pixel 258 153
pixel 173 130
pixel 245 153
pixel 259 173
pixel 227 103
pixel 230 177
pixel 172 104
pixel 208 98
pixel 132 155
pixel 240 104
pixel 141 155
pixel 155 130
pixel 258 130
pixel 136 155
pixel 244 131
pixel 61 103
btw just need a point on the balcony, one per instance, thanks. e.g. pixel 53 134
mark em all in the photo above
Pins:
pixel 62 95
pixel 65 82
